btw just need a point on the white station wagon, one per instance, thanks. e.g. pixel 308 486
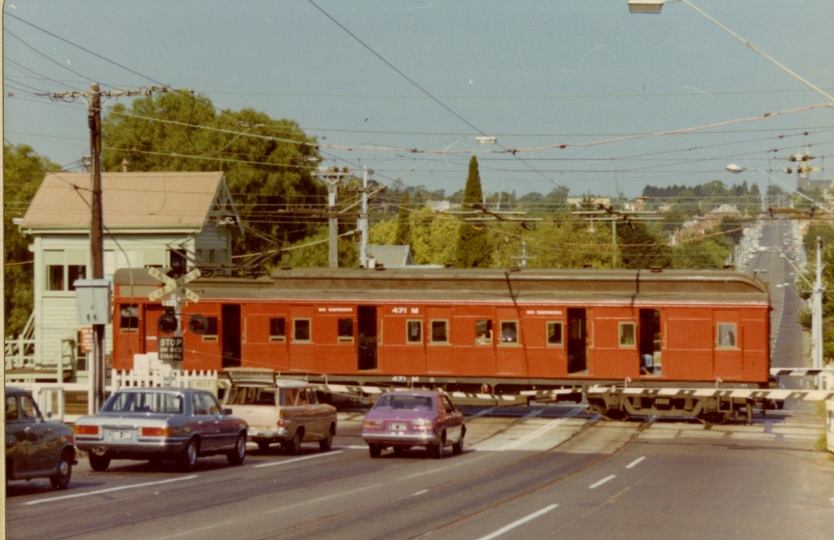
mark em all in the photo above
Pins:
pixel 279 410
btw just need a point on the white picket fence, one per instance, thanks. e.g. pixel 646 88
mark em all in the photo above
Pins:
pixel 54 397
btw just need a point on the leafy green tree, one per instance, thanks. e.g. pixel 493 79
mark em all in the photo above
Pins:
pixel 23 172
pixel 706 253
pixel 267 162
pixel 473 247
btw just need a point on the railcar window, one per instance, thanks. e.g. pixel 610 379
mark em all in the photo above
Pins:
pixel 509 332
pixel 440 331
pixel 129 320
pixel 277 329
pixel 483 332
pixel 346 330
pixel 301 330
pixel 554 333
pixel 727 335
pixel 414 331
pixel 211 330
pixel 627 334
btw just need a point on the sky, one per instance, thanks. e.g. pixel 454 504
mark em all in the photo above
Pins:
pixel 577 93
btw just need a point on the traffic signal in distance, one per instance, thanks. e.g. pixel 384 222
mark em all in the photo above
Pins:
pixel 167 323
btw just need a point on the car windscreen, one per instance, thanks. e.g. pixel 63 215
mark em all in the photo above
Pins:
pixel 147 402
pixel 251 395
pixel 404 402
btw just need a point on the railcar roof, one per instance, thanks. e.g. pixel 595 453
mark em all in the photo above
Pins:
pixel 477 285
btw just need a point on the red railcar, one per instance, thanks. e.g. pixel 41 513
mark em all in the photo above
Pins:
pixel 464 329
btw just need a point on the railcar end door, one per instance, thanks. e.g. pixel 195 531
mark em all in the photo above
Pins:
pixel 577 341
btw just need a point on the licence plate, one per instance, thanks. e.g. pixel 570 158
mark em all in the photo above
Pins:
pixel 397 427
pixel 120 435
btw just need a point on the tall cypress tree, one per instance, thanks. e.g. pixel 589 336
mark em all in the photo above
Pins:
pixel 473 249
pixel 403 236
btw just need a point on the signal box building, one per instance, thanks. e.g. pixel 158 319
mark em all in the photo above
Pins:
pixel 175 220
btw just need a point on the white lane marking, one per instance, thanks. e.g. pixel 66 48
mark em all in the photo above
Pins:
pixel 192 531
pixel 635 462
pixel 353 447
pixel 274 463
pixel 419 493
pixel 109 490
pixel 521 521
pixel 539 432
pixel 604 480
pixel 320 499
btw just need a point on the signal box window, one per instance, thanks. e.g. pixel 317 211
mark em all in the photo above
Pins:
pixel 129 320
pixel 627 334
pixel 509 332
pixel 440 331
pixel 483 332
pixel 554 334
pixel 277 329
pixel 727 336
pixel 211 330
pixel 301 330
pixel 346 330
pixel 414 331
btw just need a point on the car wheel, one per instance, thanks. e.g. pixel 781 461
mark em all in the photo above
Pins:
pixel 436 450
pixel 293 446
pixel 327 441
pixel 457 448
pixel 263 446
pixel 375 449
pixel 99 463
pixel 237 454
pixel 188 458
pixel 61 479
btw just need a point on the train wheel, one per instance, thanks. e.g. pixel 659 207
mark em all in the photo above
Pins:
pixel 616 415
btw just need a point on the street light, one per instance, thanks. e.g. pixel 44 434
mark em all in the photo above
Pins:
pixel 654 6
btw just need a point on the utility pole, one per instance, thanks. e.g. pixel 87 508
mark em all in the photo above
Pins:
pixel 363 221
pixel 333 223
pixel 96 218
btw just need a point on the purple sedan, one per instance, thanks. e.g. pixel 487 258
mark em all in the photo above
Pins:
pixel 402 419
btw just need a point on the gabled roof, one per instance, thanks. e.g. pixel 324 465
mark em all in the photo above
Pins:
pixel 169 200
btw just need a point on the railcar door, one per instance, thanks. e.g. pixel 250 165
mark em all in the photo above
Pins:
pixel 439 351
pixel 728 345
pixel 230 336
pixel 577 341
pixel 367 349
pixel 649 343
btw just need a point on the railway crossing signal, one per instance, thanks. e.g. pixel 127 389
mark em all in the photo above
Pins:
pixel 174 285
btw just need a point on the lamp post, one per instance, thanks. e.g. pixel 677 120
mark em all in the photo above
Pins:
pixel 817 289
pixel 654 6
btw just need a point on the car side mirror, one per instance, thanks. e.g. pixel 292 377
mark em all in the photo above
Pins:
pixel 49 415
pixel 227 412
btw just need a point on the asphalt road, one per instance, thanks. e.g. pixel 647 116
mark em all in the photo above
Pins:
pixel 542 472
pixel 548 472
